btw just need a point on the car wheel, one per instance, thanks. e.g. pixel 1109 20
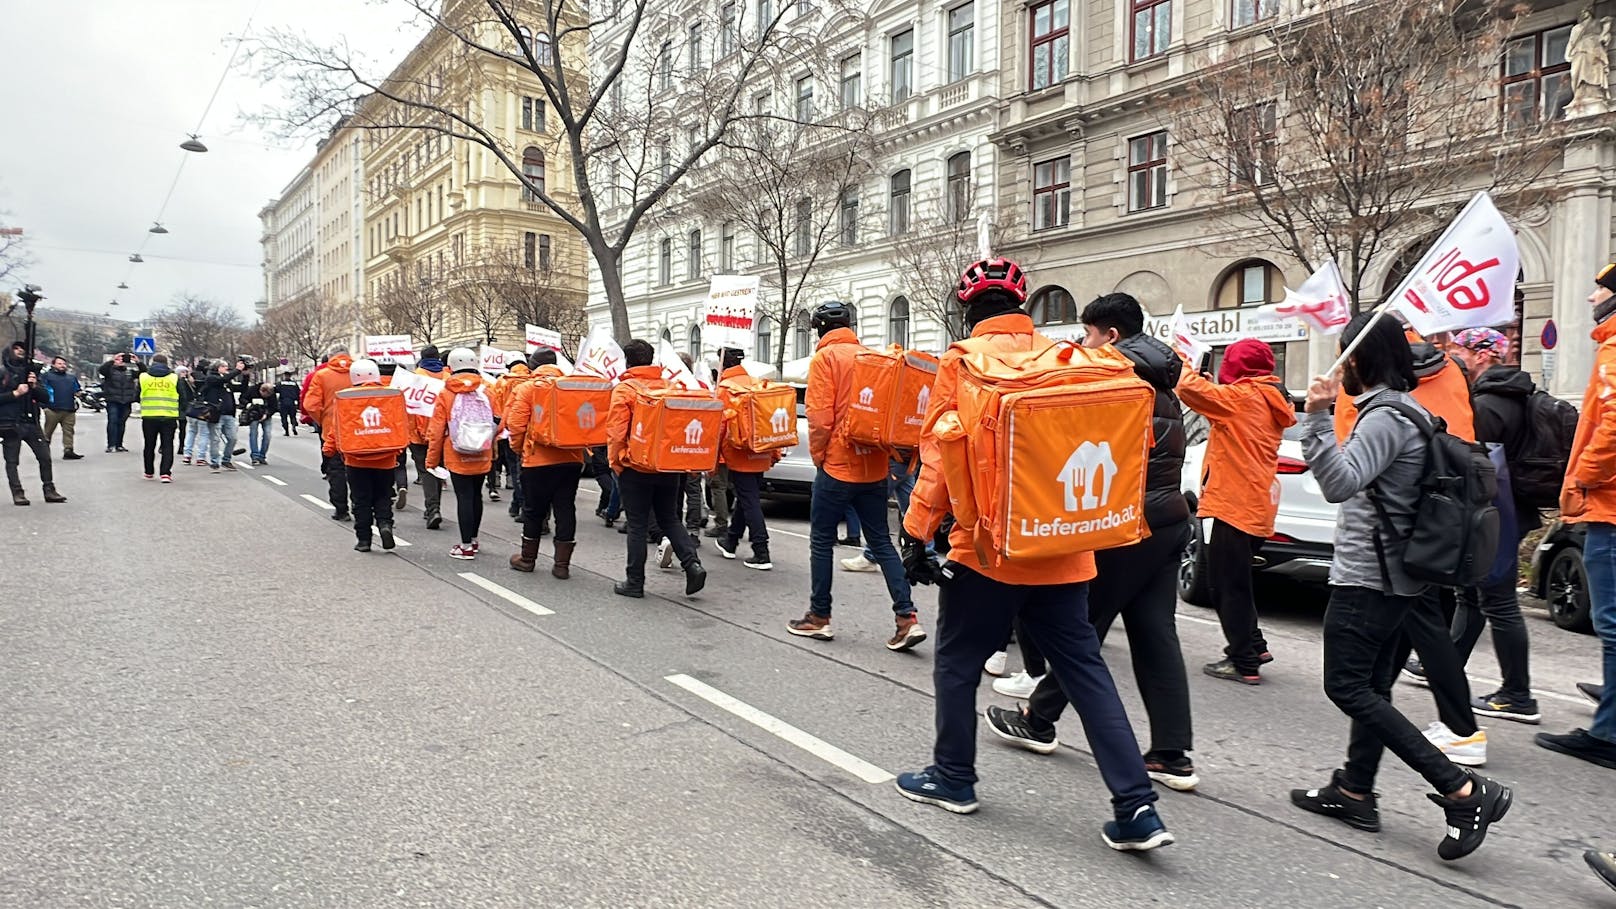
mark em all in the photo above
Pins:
pixel 1192 571
pixel 1567 589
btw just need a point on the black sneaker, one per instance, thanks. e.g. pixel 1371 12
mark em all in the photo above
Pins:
pixel 629 589
pixel 1591 691
pixel 362 546
pixel 342 516
pixel 725 547
pixel 434 522
pixel 759 561
pixel 1177 773
pixel 1414 673
pixel 1503 707
pixel 1360 814
pixel 1604 865
pixel 1578 743
pixel 386 533
pixel 1223 669
pixel 1013 726
pixel 1469 817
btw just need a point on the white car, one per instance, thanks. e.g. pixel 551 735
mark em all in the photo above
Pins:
pixel 1304 528
pixel 792 477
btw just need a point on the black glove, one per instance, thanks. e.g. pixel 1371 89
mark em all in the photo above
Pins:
pixel 919 566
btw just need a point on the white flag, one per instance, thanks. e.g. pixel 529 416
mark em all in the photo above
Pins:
pixel 1321 301
pixel 420 392
pixel 1467 280
pixel 1190 347
pixel 599 354
pixel 674 369
pixel 565 364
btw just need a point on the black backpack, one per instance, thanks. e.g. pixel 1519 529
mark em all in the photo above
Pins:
pixel 1542 450
pixel 1456 527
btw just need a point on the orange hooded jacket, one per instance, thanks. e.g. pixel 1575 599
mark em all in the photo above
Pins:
pixel 321 397
pixel 621 413
pixel 506 385
pixel 328 446
pixel 741 460
pixel 1248 418
pixel 439 453
pixel 418 424
pixel 1589 493
pixel 1444 391
pixel 929 503
pixel 830 394
pixel 519 416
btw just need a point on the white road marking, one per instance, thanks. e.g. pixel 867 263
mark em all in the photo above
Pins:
pixel 271 479
pixel 319 503
pixel 400 541
pixel 244 466
pixel 789 533
pixel 1199 620
pixel 509 596
pixel 817 747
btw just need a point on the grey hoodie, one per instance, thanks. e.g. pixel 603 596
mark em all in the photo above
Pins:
pixel 1387 451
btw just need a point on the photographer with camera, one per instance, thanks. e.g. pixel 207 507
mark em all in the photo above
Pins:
pixel 120 384
pixel 219 391
pixel 20 395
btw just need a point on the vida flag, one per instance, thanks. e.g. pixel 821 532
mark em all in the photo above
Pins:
pixel 1467 280
pixel 1190 347
pixel 1321 301
pixel 674 369
pixel 599 355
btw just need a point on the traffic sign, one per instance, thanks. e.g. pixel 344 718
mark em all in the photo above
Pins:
pixel 145 347
pixel 1550 336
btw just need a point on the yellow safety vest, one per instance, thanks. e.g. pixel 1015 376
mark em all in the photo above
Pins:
pixel 159 396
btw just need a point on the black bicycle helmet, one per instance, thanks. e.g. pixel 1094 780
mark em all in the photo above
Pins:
pixel 834 314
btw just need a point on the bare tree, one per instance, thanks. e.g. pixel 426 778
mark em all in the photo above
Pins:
pixel 13 253
pixel 411 307
pixel 1359 125
pixel 501 290
pixel 631 127
pixel 305 328
pixel 194 326
pixel 934 249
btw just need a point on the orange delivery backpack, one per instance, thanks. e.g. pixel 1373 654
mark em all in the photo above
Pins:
pixel 372 420
pixel 1045 453
pixel 763 417
pixel 672 430
pixel 891 392
pixel 569 411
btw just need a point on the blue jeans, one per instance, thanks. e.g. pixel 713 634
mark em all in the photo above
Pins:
pixel 222 437
pixel 831 500
pixel 901 482
pixel 1599 560
pixel 196 437
pixel 117 418
pixel 258 435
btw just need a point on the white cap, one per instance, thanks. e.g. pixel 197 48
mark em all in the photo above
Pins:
pixel 364 372
pixel 462 359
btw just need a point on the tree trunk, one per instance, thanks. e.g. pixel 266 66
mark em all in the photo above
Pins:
pixel 606 259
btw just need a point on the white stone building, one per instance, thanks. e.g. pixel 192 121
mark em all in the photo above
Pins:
pixel 290 230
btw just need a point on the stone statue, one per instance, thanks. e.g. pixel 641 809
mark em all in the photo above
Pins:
pixel 1586 50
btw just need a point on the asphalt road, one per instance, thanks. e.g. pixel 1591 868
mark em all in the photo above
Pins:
pixel 206 698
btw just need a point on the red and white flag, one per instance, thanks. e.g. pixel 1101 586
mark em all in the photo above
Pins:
pixel 1467 280
pixel 674 369
pixel 1321 301
pixel 1186 342
pixel 600 355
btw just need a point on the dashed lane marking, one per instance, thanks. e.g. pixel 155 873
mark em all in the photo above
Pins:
pixel 815 746
pixel 1200 621
pixel 318 503
pixel 270 479
pixel 789 533
pixel 510 596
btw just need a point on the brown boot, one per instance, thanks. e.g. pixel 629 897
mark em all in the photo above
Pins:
pixel 52 496
pixel 524 560
pixel 563 559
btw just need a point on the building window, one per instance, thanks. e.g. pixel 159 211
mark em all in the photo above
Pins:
pixel 959 187
pixel 903 65
pixel 693 270
pixel 1248 12
pixel 1251 283
pixel 805 226
pixel 530 250
pixel 726 248
pixel 1053 306
pixel 805 99
pixel 1147 172
pixel 961 32
pixel 693 343
pixel 544 252
pixel 1536 80
pixel 851 77
pixel 664 262
pixel 533 170
pixel 765 15
pixel 666 162
pixel 1257 133
pixel 1051 42
pixel 1152 25
pixel 694 47
pixel 805 343
pixel 533 114
pixel 760 104
pixel 665 66
pixel 541 49
pixel 765 338
pixel 1051 193
pixel 850 216
pixel 898 207
pixel 729 33
pixel 898 322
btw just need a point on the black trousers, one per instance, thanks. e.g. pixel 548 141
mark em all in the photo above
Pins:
pixel 1229 553
pixel 158 430
pixel 1499 605
pixel 468 490
pixel 372 491
pixel 431 486
pixel 289 420
pixel 694 519
pixel 1425 631
pixel 15 435
pixel 1362 629
pixel 644 495
pixel 552 488
pixel 1137 583
pixel 336 479
pixel 500 447
pixel 747 514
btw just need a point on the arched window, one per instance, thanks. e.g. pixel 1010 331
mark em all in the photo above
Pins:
pixel 898 322
pixel 693 269
pixel 667 334
pixel 765 338
pixel 693 340
pixel 805 345
pixel 898 207
pixel 1253 282
pixel 541 50
pixel 1053 306
pixel 533 169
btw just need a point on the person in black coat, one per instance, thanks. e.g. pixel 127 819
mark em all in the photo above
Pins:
pixel 287 393
pixel 120 385
pixel 21 394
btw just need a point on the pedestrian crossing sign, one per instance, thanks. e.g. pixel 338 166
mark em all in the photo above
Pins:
pixel 145 346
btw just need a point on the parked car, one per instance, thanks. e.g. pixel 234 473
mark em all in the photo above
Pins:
pixel 1557 576
pixel 792 477
pixel 1302 544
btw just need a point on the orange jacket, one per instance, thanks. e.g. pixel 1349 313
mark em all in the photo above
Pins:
pixel 384 461
pixel 418 424
pixel 321 397
pixel 1445 393
pixel 622 409
pixel 830 394
pixel 438 452
pixel 929 503
pixel 519 416
pixel 1239 473
pixel 505 385
pixel 1589 493
pixel 738 459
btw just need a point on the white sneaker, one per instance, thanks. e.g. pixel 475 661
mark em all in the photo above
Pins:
pixel 995 663
pixel 1019 685
pixel 664 554
pixel 1470 751
pixel 859 563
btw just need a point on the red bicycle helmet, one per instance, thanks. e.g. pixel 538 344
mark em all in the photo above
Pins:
pixel 997 273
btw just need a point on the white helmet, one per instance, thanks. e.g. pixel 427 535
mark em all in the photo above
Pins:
pixel 364 372
pixel 462 359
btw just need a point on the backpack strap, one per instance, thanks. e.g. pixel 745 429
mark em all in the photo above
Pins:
pixel 1428 428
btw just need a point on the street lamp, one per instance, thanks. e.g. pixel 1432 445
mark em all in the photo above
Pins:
pixel 193 144
pixel 114 303
pixel 158 228
pixel 122 285
pixel 136 258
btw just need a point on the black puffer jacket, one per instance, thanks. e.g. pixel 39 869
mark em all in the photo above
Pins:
pixel 1498 400
pixel 1157 364
pixel 120 384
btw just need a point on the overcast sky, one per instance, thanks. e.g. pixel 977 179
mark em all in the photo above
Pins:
pixel 98 96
